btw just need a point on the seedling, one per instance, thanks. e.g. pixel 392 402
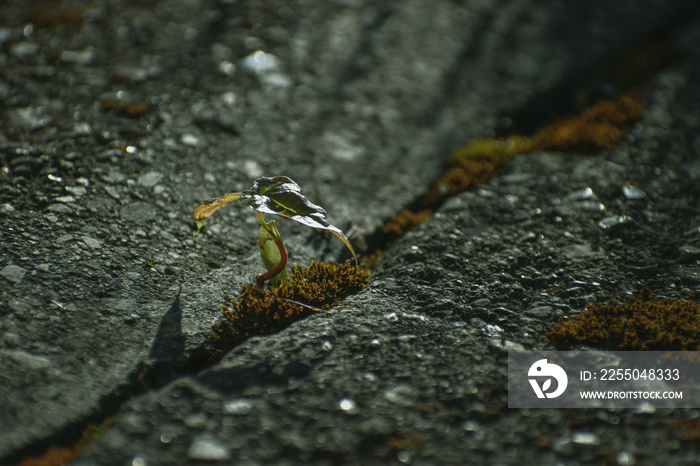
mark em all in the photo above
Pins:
pixel 278 195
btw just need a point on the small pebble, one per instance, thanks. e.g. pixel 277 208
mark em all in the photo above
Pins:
pixel 13 273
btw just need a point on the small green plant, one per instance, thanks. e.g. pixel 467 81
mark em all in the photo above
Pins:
pixel 278 195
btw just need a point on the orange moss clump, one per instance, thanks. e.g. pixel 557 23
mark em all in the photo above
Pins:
pixel 406 220
pixel 597 127
pixel 309 289
pixel 60 456
pixel 463 176
pixel 643 323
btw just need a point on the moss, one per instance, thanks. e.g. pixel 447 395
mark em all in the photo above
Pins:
pixel 462 177
pixel 370 262
pixel 643 323
pixel 492 149
pixel 598 127
pixel 406 220
pixel 309 289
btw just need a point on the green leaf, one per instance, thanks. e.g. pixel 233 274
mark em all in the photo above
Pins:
pixel 280 195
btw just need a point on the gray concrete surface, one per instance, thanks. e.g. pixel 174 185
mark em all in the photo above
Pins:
pixel 361 103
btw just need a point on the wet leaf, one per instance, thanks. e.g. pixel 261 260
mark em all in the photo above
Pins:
pixel 280 195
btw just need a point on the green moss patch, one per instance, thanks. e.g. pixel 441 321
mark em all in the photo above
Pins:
pixel 642 323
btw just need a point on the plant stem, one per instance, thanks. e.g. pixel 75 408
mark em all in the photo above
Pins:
pixel 263 277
